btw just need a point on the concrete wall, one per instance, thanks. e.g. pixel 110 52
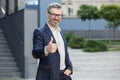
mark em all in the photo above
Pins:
pixel 30 25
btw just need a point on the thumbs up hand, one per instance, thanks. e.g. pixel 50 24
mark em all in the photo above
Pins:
pixel 51 47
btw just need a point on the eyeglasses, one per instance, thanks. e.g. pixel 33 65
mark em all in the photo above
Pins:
pixel 53 14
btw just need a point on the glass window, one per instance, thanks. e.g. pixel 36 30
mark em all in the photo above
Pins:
pixel 31 2
pixel 70 11
pixel 2 8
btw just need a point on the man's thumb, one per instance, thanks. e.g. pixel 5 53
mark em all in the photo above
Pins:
pixel 51 40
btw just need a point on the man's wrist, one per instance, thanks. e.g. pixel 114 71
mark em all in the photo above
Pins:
pixel 45 51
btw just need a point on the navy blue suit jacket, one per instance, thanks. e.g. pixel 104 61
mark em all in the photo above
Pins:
pixel 49 66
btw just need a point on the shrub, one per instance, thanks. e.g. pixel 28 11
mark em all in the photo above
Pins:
pixel 68 36
pixel 94 46
pixel 76 42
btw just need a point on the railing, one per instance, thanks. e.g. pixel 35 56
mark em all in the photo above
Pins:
pixel 13 28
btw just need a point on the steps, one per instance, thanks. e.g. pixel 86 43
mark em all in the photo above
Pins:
pixel 8 66
pixel 95 66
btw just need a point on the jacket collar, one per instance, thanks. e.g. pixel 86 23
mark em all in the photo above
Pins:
pixel 49 32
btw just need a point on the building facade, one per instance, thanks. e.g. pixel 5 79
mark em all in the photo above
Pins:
pixel 70 7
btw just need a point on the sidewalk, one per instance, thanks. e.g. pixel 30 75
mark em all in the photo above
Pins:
pixel 96 65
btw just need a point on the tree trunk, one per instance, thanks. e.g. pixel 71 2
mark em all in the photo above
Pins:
pixel 89 31
pixel 113 33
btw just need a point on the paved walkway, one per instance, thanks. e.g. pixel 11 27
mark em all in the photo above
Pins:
pixel 95 66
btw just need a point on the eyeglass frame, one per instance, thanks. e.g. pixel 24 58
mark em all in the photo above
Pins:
pixel 58 15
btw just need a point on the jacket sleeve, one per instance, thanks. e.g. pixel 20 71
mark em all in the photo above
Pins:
pixel 68 63
pixel 67 59
pixel 38 44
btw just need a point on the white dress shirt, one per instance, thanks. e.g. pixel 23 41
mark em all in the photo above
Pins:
pixel 60 44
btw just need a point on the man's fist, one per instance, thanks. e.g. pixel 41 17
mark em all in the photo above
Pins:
pixel 51 47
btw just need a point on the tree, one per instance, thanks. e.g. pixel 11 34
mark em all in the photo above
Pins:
pixel 111 13
pixel 87 12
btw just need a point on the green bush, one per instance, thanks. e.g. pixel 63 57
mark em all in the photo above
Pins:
pixel 68 36
pixel 94 46
pixel 76 42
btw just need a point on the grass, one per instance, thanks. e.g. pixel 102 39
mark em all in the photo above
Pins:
pixel 114 48
pixel 113 45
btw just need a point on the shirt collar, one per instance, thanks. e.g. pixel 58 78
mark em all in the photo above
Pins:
pixel 58 29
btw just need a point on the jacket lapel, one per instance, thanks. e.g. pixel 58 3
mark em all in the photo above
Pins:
pixel 48 31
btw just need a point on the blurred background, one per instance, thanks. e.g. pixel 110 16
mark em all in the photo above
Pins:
pixel 19 18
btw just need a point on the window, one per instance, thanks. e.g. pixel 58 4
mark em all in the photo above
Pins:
pixel 31 2
pixel 2 8
pixel 70 11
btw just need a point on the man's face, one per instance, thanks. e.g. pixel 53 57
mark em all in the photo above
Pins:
pixel 54 16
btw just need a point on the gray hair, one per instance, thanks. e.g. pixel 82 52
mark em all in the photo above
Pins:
pixel 54 5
